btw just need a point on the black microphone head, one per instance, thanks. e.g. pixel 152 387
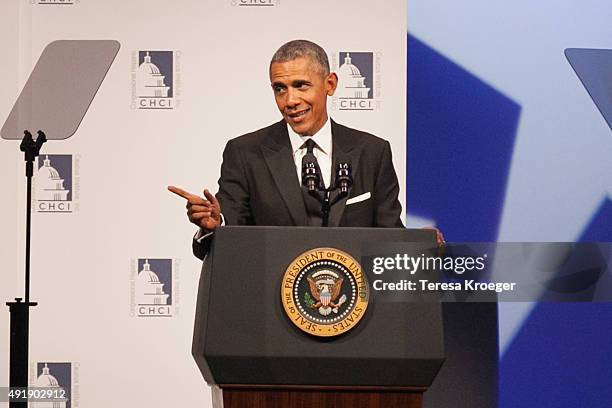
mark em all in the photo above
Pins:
pixel 310 177
pixel 343 173
pixel 344 178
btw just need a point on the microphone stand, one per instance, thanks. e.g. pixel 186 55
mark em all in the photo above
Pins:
pixel 19 310
pixel 344 180
pixel 326 206
pixel 326 202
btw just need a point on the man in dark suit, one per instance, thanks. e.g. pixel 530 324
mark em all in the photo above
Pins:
pixel 260 180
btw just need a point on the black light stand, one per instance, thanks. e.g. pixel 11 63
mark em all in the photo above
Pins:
pixel 19 310
pixel 68 73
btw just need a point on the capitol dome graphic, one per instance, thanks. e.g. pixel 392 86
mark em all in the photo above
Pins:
pixel 352 83
pixel 49 183
pixel 150 80
pixel 47 380
pixel 151 289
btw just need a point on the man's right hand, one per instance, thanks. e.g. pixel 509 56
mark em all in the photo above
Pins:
pixel 205 213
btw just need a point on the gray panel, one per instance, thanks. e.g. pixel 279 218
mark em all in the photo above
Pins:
pixel 60 88
pixel 594 68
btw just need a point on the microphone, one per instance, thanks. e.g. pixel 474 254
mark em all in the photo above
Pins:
pixel 344 178
pixel 310 176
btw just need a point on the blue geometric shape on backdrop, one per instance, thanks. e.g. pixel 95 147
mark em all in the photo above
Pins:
pixel 600 227
pixel 461 134
pixel 561 355
pixel 560 358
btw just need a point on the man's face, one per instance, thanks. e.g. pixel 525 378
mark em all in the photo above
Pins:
pixel 301 91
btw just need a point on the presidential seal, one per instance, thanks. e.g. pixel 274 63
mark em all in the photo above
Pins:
pixel 324 292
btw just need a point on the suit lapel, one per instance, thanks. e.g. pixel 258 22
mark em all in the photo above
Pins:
pixel 278 155
pixel 344 151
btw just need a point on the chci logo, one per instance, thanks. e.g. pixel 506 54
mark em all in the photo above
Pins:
pixel 55 179
pixel 255 3
pixel 358 81
pixel 60 381
pixel 55 2
pixel 152 288
pixel 154 79
pixel 324 292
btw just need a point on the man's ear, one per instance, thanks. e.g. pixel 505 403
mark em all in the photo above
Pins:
pixel 332 83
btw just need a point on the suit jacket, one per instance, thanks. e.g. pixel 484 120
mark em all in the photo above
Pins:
pixel 259 183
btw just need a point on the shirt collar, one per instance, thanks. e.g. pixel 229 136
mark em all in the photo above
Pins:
pixel 323 138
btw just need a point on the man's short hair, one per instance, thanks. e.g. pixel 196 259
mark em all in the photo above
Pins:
pixel 300 49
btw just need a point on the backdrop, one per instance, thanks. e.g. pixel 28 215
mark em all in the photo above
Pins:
pixel 112 268
pixel 503 144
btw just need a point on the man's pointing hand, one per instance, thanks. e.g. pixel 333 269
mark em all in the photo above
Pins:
pixel 205 213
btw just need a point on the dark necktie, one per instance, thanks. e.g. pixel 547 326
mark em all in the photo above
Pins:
pixel 309 157
pixel 313 206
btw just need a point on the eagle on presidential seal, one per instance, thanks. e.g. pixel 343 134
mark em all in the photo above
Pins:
pixel 325 287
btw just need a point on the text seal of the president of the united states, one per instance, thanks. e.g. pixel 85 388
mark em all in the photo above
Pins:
pixel 324 292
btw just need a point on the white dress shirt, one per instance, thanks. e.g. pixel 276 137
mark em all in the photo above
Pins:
pixel 322 150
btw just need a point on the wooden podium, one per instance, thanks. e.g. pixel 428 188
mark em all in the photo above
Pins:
pixel 321 397
pixel 245 343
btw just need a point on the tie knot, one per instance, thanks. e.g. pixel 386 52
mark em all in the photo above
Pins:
pixel 309 144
